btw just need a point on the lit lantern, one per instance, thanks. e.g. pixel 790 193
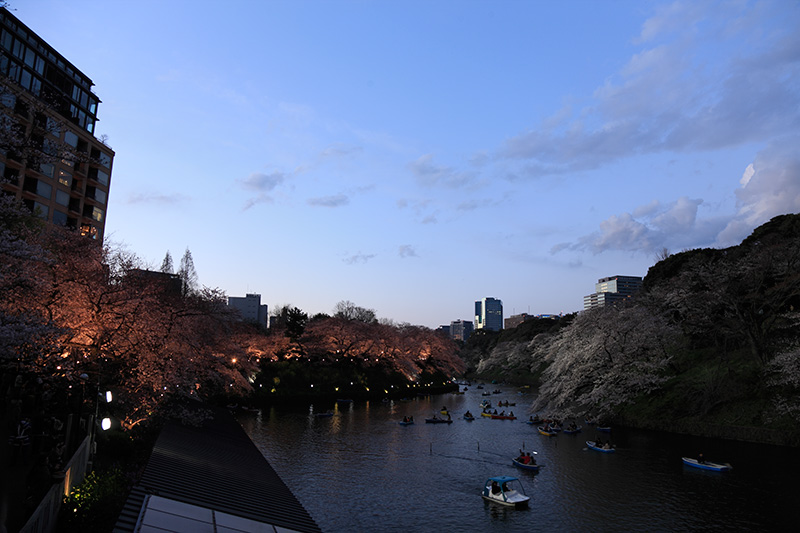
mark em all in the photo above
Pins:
pixel 105 424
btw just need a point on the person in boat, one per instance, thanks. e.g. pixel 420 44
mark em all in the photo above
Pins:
pixel 448 416
pixel 598 443
pixel 495 488
pixel 701 459
pixel 531 459
pixel 502 413
pixel 505 487
pixel 511 413
pixel 468 414
pixel 607 446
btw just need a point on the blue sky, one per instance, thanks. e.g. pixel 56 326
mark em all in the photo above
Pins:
pixel 413 157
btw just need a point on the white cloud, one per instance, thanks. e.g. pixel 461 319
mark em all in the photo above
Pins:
pixel 358 258
pixel 406 250
pixel 770 186
pixel 678 93
pixel 258 181
pixel 337 200
pixel 430 174
pixel 157 198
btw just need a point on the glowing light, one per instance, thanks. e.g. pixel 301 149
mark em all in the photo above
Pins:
pixel 109 396
pixel 233 360
pixel 105 424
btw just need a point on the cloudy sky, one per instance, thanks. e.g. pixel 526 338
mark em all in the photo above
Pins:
pixel 413 157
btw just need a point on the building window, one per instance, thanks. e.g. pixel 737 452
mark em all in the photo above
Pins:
pixel 59 218
pixel 100 196
pixel 40 210
pixel 88 230
pixel 43 189
pixel 64 177
pixel 71 139
pixel 98 175
pixel 47 169
pixel 62 197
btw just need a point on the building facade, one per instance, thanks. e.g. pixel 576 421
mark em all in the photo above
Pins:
pixel 515 320
pixel 49 156
pixel 250 308
pixel 489 314
pixel 612 290
pixel 460 330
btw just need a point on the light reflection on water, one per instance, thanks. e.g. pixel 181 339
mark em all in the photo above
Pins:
pixel 361 470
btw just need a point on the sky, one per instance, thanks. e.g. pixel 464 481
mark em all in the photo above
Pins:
pixel 414 157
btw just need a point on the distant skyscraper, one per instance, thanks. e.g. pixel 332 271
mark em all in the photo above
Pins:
pixel 49 157
pixel 611 290
pixel 250 308
pixel 460 330
pixel 489 314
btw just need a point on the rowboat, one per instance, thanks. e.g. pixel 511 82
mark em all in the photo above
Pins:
pixel 505 490
pixel 436 420
pixel 593 445
pixel 487 415
pixel 469 417
pixel 572 431
pixel 705 465
pixel 546 432
pixel 604 429
pixel 324 415
pixel 504 417
pixel 525 466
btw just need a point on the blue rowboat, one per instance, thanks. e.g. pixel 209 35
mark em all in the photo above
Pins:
pixel 523 466
pixel 705 465
pixel 592 445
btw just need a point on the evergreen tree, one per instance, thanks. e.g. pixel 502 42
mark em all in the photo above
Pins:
pixel 166 265
pixel 187 273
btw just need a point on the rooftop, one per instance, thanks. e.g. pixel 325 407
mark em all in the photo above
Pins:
pixel 211 478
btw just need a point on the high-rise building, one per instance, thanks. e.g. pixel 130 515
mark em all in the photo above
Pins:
pixel 250 308
pixel 49 156
pixel 612 290
pixel 489 314
pixel 460 330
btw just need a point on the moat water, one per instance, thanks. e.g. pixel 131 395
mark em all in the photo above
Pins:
pixel 360 470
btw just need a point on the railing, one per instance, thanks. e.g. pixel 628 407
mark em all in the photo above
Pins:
pixel 45 517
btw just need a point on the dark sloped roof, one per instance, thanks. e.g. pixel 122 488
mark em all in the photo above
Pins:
pixel 216 466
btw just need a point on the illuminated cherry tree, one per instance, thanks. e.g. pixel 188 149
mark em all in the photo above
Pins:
pixel 603 359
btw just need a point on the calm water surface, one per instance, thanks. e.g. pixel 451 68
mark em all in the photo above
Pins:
pixel 361 471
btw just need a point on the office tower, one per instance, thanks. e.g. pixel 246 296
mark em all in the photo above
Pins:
pixel 611 290
pixel 49 156
pixel 489 314
pixel 460 330
pixel 250 308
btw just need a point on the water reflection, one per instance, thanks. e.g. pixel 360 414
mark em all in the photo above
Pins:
pixel 360 469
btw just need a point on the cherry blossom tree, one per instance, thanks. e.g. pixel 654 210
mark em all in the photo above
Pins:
pixel 603 359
